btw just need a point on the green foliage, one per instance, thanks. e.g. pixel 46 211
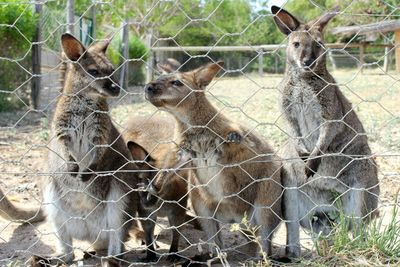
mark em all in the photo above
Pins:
pixel 16 31
pixel 138 54
pixel 137 49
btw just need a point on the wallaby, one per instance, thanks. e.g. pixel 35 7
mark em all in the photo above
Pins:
pixel 339 171
pixel 11 212
pixel 169 189
pixel 237 172
pixel 91 193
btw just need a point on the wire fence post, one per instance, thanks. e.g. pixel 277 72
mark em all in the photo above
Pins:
pixel 123 81
pixel 362 52
pixel 93 10
pixel 70 16
pixel 36 57
pixel 260 62
pixel 150 60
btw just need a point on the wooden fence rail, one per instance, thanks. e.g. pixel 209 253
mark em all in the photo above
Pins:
pixel 260 49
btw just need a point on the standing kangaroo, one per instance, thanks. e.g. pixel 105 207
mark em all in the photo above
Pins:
pixel 168 192
pixel 234 175
pixel 90 194
pixel 326 133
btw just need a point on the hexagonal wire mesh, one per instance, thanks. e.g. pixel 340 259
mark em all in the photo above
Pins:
pixel 210 160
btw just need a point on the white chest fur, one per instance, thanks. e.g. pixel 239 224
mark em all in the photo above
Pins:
pixel 306 110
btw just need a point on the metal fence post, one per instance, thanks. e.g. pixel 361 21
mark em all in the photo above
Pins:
pixel 36 58
pixel 150 59
pixel 123 81
pixel 260 62
pixel 70 16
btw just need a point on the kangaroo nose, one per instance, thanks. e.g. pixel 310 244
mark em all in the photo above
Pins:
pixel 308 62
pixel 149 88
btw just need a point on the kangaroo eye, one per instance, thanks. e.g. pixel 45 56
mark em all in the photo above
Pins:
pixel 296 44
pixel 177 83
pixel 94 73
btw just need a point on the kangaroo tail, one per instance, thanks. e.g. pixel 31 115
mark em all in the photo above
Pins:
pixel 11 212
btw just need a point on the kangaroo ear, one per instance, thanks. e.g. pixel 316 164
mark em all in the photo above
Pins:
pixel 165 68
pixel 285 21
pixel 169 66
pixel 101 46
pixel 138 152
pixel 323 20
pixel 204 75
pixel 73 49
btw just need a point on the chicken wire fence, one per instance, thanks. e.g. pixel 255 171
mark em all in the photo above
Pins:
pixel 156 178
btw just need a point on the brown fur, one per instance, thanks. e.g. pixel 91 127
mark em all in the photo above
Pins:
pixel 233 177
pixel 156 135
pixel 80 203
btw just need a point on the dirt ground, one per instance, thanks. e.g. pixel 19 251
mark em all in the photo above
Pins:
pixel 252 99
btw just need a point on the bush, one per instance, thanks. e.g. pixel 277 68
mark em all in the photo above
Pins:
pixel 138 54
pixel 18 27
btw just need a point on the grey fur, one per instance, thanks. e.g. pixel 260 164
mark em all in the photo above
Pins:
pixel 338 169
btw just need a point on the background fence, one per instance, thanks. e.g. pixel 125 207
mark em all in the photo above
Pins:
pixel 364 48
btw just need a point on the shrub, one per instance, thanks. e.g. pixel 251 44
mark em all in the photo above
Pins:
pixel 17 27
pixel 138 54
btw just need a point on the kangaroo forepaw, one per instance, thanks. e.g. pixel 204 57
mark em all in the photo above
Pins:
pixel 233 137
pixel 312 166
pixel 85 175
pixel 73 169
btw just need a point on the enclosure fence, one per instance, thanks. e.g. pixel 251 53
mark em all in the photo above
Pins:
pixel 197 146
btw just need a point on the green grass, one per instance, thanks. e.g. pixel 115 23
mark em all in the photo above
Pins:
pixel 374 244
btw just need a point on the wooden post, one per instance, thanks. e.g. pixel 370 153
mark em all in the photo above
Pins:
pixel 123 80
pixel 397 46
pixel 70 16
pixel 150 60
pixel 386 59
pixel 332 60
pixel 36 58
pixel 93 11
pixel 260 62
pixel 362 52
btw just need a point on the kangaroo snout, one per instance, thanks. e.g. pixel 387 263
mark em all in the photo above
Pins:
pixel 113 88
pixel 308 62
pixel 152 92
pixel 150 88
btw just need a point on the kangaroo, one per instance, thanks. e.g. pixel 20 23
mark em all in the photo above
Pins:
pixel 90 195
pixel 169 190
pixel 11 212
pixel 234 175
pixel 338 169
